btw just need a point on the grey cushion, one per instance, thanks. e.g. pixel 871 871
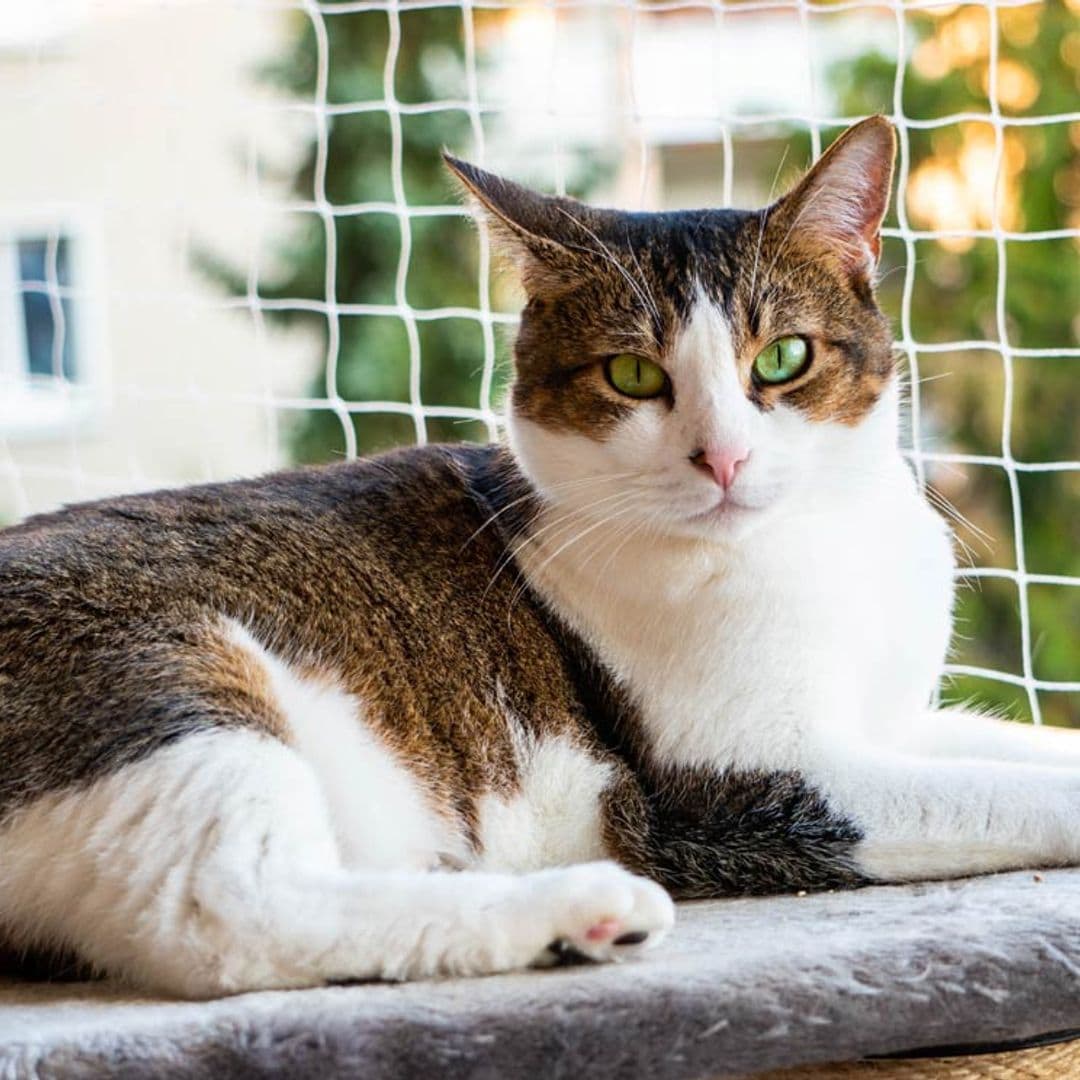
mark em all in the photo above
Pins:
pixel 740 986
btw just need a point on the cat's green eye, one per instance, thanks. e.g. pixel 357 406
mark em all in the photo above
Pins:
pixel 635 376
pixel 782 360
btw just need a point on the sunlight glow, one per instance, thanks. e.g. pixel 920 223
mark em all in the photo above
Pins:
pixel 1017 87
pixel 957 192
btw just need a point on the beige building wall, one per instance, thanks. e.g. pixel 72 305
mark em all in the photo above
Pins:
pixel 129 126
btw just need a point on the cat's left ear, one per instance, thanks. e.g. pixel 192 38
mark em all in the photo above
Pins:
pixel 541 234
pixel 838 206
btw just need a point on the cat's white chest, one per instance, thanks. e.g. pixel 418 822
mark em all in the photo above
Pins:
pixel 839 619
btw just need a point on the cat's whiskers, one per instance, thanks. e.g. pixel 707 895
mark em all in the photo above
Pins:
pixel 624 531
pixel 544 536
pixel 763 216
pixel 941 500
pixel 605 253
pixel 634 338
pixel 631 530
pixel 534 536
pixel 791 228
pixel 966 553
pixel 509 554
pixel 658 324
pixel 524 576
pixel 533 493
pixel 522 581
pixel 598 541
pixel 941 503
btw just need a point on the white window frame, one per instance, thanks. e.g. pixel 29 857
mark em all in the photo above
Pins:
pixel 32 408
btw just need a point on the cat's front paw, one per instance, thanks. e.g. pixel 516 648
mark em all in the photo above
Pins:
pixel 596 911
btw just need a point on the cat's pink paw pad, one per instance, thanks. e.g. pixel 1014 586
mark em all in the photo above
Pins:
pixel 600 912
pixel 604 931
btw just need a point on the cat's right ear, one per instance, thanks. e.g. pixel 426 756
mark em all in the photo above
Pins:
pixel 534 231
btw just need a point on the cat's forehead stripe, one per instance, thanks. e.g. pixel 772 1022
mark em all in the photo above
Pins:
pixel 636 286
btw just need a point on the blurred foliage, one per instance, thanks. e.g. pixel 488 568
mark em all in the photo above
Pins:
pixel 953 185
pixel 374 351
pixel 378 355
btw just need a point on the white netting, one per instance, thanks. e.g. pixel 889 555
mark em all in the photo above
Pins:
pixel 225 387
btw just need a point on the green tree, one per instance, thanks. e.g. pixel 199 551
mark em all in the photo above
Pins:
pixel 952 185
pixel 374 350
pixel 377 353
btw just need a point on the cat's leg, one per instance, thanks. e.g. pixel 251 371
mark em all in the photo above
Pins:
pixel 923 817
pixel 211 867
pixel 955 733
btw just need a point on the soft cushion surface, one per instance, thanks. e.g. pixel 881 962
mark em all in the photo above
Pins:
pixel 741 986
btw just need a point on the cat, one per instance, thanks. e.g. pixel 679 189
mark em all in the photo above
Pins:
pixel 462 710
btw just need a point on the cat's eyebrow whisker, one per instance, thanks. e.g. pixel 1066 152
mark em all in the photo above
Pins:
pixel 879 278
pixel 605 252
pixel 762 218
pixel 784 275
pixel 791 271
pixel 636 336
pixel 644 283
pixel 791 228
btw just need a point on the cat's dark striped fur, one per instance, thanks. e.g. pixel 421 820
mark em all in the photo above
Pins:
pixel 462 710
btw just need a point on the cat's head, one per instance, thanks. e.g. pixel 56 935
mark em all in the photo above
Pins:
pixel 701 367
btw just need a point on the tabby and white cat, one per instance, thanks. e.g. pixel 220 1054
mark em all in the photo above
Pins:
pixel 391 718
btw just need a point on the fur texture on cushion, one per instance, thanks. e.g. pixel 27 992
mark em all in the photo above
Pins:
pixel 740 986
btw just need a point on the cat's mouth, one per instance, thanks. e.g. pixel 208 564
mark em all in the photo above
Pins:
pixel 741 507
pixel 724 510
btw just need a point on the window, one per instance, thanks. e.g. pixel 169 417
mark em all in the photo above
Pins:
pixel 44 284
pixel 46 370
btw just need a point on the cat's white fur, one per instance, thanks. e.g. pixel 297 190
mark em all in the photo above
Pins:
pixel 802 626
pixel 799 626
pixel 231 861
pixel 214 866
pixel 554 817
pixel 380 813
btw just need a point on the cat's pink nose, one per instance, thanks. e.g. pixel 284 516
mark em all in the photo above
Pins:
pixel 722 461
